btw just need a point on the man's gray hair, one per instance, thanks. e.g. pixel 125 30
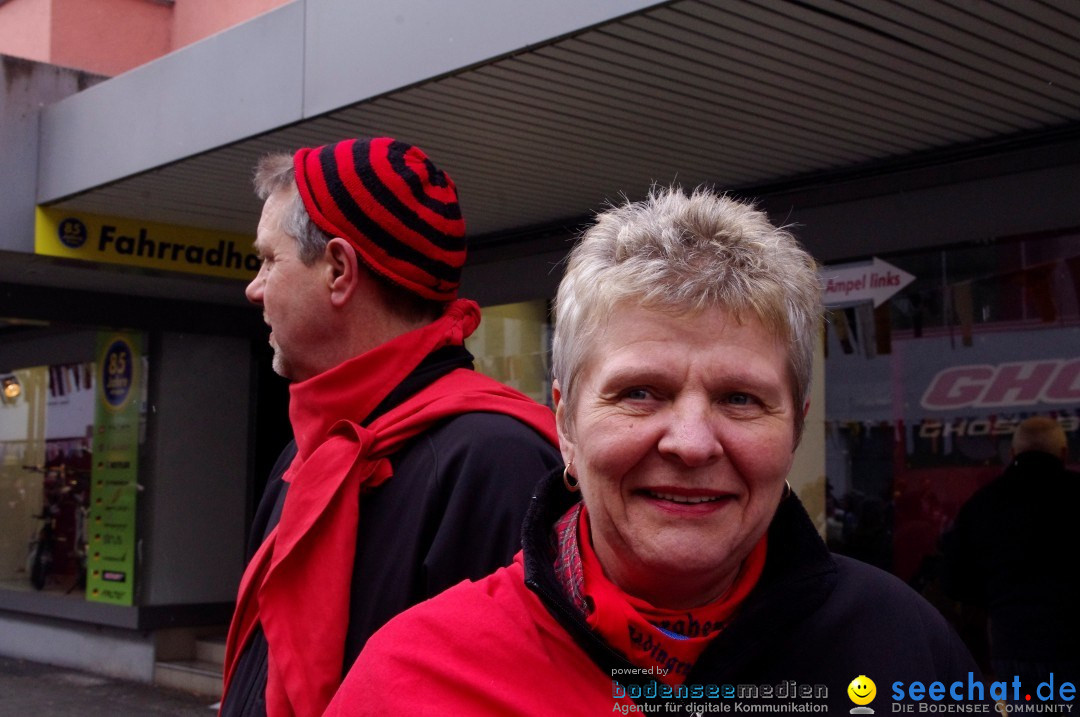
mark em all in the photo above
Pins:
pixel 275 172
pixel 684 253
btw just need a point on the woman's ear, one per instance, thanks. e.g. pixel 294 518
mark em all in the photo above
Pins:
pixel 566 443
pixel 343 270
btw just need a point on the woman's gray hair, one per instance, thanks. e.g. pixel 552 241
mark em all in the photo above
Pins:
pixel 679 253
pixel 275 172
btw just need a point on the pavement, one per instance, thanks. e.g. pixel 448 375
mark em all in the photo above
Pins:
pixel 37 690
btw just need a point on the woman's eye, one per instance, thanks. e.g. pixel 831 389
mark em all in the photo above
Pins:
pixel 637 394
pixel 740 399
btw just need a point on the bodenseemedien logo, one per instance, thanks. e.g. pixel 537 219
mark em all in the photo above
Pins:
pixel 862 692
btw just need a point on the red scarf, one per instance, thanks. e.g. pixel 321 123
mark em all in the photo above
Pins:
pixel 665 642
pixel 298 582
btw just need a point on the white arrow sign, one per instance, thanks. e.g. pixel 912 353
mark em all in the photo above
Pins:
pixel 856 283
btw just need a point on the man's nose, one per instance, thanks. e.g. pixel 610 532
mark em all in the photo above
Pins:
pixel 254 290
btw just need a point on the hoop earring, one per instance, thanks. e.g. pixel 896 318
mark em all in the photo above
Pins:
pixel 570 481
pixel 787 490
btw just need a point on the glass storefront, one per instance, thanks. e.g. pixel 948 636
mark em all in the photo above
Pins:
pixel 65 466
pixel 924 392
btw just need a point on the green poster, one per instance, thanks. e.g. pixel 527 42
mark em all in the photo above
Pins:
pixel 110 574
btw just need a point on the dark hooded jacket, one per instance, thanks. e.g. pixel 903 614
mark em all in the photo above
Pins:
pixel 452 511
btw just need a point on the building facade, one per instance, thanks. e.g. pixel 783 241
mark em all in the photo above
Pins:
pixel 927 157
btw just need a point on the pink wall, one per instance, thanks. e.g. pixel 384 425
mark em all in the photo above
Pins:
pixel 195 19
pixel 112 36
pixel 108 36
pixel 24 29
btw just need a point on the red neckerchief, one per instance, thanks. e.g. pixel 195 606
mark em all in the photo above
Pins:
pixel 298 582
pixel 665 642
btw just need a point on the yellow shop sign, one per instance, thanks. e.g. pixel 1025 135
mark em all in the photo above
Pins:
pixel 114 240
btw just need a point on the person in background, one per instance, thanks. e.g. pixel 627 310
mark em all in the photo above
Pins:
pixel 669 557
pixel 409 471
pixel 1013 551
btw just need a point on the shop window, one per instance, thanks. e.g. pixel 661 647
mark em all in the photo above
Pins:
pixel 59 461
pixel 45 475
pixel 924 392
pixel 513 346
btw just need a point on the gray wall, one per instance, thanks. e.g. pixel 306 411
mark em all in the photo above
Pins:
pixel 27 86
pixel 41 348
pixel 257 69
pixel 492 281
pixel 126 654
pixel 191 514
pixel 976 210
pixel 414 41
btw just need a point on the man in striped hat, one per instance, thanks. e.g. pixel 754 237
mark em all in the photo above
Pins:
pixel 409 471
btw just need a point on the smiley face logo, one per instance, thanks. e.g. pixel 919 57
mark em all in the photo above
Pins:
pixel 862 690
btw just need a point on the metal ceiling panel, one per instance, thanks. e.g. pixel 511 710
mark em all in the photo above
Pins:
pixel 731 92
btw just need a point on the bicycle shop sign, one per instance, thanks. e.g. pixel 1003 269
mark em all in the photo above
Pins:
pixel 132 242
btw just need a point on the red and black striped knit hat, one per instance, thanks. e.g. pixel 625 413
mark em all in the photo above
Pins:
pixel 390 202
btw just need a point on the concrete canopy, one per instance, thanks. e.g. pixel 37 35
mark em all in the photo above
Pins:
pixel 542 112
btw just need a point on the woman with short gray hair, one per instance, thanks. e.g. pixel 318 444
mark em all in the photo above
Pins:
pixel 669 561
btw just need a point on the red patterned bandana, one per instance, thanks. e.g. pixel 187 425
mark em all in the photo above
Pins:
pixel 665 642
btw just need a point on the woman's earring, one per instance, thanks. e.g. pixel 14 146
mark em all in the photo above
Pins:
pixel 787 489
pixel 570 481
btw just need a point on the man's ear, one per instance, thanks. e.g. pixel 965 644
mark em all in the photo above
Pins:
pixel 342 271
pixel 566 443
